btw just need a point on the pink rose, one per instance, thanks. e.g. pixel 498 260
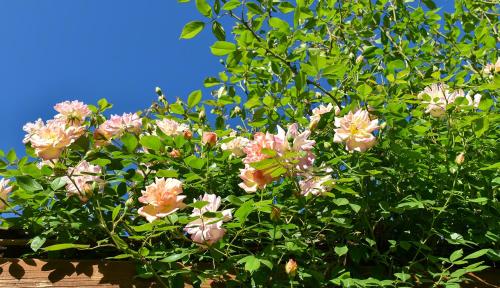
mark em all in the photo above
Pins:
pixel 80 180
pixel 208 230
pixel 117 125
pixel 171 127
pixel 162 198
pixel 355 129
pixel 73 113
pixel 50 139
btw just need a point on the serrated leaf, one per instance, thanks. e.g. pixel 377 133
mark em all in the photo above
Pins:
pixel 221 48
pixel 151 142
pixel 192 29
pixel 28 184
pixel 194 98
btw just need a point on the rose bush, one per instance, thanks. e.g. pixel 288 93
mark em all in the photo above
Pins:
pixel 348 143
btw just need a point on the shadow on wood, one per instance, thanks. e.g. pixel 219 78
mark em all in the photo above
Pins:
pixel 64 273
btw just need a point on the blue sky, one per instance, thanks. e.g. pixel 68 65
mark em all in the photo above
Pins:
pixel 55 50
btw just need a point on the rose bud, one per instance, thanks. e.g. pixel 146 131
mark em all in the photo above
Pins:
pixel 209 138
pixel 460 158
pixel 291 268
pixel 175 153
pixel 187 134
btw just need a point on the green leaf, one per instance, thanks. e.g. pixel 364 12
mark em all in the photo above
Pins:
pixel 65 246
pixel 37 242
pixel 456 255
pixel 194 162
pixel 28 184
pixel 342 250
pixel 58 183
pixel 221 48
pixel 177 108
pixel 167 173
pixel 11 156
pixel 151 142
pixel 204 8
pixel 115 212
pixel 476 254
pixel 481 125
pixel 242 213
pixel 218 31
pixel 231 5
pixel 252 263
pixel 194 98
pixel 279 24
pixel 129 142
pixel 192 29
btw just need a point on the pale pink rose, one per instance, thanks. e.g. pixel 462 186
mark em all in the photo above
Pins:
pixel 5 189
pixel 162 198
pixel 72 112
pixel 492 68
pixel 31 128
pixel 81 179
pixel 117 125
pixel 236 146
pixel 474 100
pixel 320 110
pixel 440 98
pixel 208 230
pixel 171 127
pixel 209 138
pixel 51 139
pixel 355 129
pixel 314 185
pixel 253 179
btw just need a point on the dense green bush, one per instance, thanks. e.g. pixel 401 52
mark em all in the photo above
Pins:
pixel 388 178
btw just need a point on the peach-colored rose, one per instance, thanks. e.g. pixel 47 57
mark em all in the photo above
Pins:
pixel 253 179
pixel 209 138
pixel 51 139
pixel 208 230
pixel 355 129
pixel 492 68
pixel 440 98
pixel 117 125
pixel 162 198
pixel 81 178
pixel 313 185
pixel 254 149
pixel 320 110
pixel 171 127
pixel 72 112
pixel 5 189
pixel 236 146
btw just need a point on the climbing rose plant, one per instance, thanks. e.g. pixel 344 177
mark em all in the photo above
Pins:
pixel 344 144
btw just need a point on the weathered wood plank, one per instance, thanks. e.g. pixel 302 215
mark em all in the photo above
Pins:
pixel 63 273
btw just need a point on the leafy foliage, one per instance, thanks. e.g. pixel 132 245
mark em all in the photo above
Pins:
pixel 419 207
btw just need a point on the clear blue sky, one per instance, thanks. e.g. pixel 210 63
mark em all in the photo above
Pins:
pixel 55 50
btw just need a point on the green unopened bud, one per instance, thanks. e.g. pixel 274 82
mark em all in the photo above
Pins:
pixel 202 115
pixel 327 145
pixel 129 202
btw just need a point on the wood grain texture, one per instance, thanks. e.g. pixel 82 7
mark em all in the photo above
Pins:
pixel 63 273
